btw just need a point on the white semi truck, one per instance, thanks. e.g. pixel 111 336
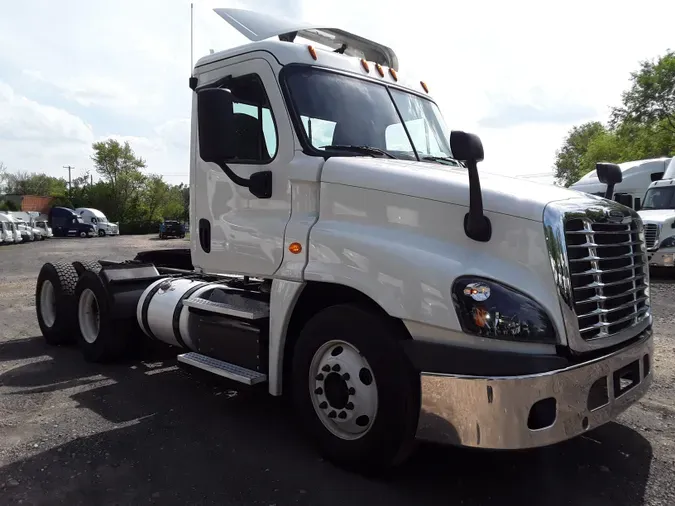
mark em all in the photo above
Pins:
pixel 345 252
pixel 658 215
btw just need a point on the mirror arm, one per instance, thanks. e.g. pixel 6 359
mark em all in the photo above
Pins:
pixel 238 180
pixel 259 184
pixel 477 226
pixel 609 191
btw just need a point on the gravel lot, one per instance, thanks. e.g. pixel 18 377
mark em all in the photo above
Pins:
pixel 144 432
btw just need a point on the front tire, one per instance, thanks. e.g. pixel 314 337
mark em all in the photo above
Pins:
pixel 100 338
pixel 354 389
pixel 101 233
pixel 54 299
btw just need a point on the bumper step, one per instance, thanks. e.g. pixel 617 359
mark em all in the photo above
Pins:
pixel 224 369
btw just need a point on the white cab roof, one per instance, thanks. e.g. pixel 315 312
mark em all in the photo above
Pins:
pixel 95 212
pixel 257 27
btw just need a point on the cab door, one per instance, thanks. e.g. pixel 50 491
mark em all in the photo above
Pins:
pixel 237 231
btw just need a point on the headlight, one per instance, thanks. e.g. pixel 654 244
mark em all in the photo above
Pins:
pixel 668 242
pixel 487 309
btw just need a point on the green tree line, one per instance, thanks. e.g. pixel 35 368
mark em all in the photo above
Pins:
pixel 123 192
pixel 643 126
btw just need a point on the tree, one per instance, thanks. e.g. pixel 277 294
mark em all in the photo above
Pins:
pixel 3 176
pixel 24 183
pixel 121 170
pixel 651 97
pixel 570 164
pixel 8 205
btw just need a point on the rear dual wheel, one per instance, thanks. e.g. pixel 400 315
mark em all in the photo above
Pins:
pixel 54 296
pixel 100 338
pixel 355 390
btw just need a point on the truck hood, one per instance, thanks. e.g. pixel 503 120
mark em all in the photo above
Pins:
pixel 433 181
pixel 657 215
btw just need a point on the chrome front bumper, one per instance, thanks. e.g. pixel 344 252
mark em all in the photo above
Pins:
pixel 499 412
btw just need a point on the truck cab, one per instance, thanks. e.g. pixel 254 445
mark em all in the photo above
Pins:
pixel 345 251
pixel 658 214
pixel 67 223
pixel 98 220
pixel 6 230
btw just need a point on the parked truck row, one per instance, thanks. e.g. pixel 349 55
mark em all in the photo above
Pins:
pixel 20 227
pixel 345 252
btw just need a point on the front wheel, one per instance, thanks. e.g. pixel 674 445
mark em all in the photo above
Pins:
pixel 354 388
pixel 101 233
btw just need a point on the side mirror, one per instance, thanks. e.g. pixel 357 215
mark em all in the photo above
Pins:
pixel 217 142
pixel 468 148
pixel 214 116
pixel 609 174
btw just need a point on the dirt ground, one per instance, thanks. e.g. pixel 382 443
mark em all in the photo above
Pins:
pixel 144 432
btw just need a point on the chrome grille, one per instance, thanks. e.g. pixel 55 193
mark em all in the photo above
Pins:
pixel 608 274
pixel 651 235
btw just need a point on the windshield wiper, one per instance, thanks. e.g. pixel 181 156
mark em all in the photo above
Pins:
pixel 452 161
pixel 369 150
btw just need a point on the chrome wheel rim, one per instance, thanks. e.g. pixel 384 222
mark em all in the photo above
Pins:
pixel 88 316
pixel 343 390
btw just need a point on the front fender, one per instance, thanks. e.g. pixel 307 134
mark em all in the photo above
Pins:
pixel 404 253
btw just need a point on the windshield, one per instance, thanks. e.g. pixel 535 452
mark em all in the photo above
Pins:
pixel 338 110
pixel 660 198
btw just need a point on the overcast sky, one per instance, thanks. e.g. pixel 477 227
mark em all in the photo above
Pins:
pixel 519 73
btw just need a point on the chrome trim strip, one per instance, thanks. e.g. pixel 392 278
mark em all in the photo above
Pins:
pixel 595 210
pixel 493 412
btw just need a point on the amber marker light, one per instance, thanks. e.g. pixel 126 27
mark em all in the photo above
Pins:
pixel 380 70
pixel 365 65
pixel 312 52
pixel 295 248
pixel 393 74
pixel 424 86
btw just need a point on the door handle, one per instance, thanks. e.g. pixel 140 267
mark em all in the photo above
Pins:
pixel 205 235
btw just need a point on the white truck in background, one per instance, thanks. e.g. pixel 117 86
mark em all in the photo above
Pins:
pixel 99 220
pixel 341 254
pixel 658 214
pixel 637 176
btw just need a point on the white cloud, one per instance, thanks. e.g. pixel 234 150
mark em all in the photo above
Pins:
pixel 519 73
pixel 22 119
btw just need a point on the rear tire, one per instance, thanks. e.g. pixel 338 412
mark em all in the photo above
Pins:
pixel 380 381
pixel 82 265
pixel 100 338
pixel 54 302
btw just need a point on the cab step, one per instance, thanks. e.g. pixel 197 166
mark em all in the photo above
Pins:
pixel 236 306
pixel 221 368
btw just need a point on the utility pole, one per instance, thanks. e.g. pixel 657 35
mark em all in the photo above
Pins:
pixel 91 180
pixel 70 179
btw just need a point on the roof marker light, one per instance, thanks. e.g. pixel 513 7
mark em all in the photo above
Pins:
pixel 394 75
pixel 380 70
pixel 365 65
pixel 424 86
pixel 312 52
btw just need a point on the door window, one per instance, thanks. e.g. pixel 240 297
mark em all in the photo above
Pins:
pixel 254 124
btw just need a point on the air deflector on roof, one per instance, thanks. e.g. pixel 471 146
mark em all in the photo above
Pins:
pixel 257 26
